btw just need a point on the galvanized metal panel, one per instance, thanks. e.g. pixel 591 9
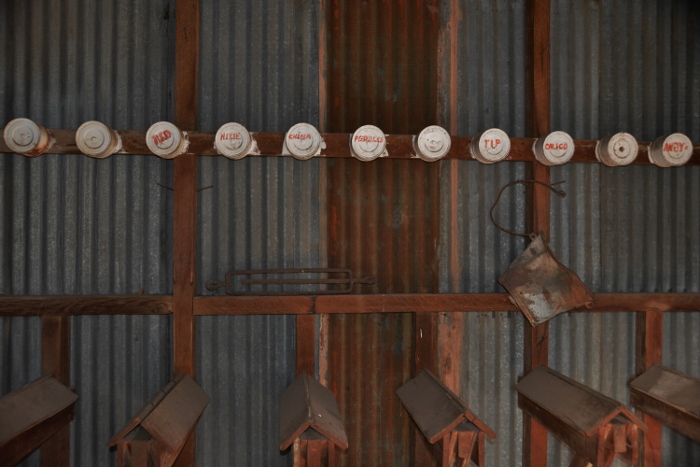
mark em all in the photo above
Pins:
pixel 634 67
pixel 491 65
pixel 118 363
pixel 492 354
pixel 258 64
pixel 625 66
pixel 258 67
pixel 261 213
pixel 71 225
pixel 472 252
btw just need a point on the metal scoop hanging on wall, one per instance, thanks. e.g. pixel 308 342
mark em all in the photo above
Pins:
pixel 538 284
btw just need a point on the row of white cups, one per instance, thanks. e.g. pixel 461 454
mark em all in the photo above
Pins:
pixel 303 141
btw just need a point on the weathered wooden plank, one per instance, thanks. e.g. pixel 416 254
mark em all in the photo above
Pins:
pixel 316 452
pixel 648 350
pixel 428 303
pixel 69 305
pixel 418 303
pixel 55 348
pixel 306 345
pixel 55 361
pixel 307 404
pixel 187 26
pixel 31 415
pixel 141 416
pixel 184 253
pixel 671 397
pixel 579 406
pixel 538 96
pixel 174 419
pixel 435 409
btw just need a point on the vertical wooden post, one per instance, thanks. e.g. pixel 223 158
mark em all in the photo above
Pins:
pixel 538 79
pixel 438 337
pixel 306 345
pixel 649 345
pixel 426 358
pixel 450 326
pixel 187 21
pixel 55 361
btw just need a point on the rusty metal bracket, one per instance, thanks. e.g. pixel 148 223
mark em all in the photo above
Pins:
pixel 334 285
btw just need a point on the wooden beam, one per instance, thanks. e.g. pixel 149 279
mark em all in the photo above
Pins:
pixel 187 25
pixel 351 304
pixel 306 345
pixel 55 361
pixel 184 245
pixel 648 349
pixel 538 97
pixel 425 303
pixel 70 305
pixel 337 146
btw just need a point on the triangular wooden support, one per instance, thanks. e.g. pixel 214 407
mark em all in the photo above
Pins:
pixel 442 416
pixel 306 403
pixel 157 434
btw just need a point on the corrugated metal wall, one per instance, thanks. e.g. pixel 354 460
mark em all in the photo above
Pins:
pixel 382 216
pixel 259 67
pixel 72 225
pixel 635 67
pixel 491 93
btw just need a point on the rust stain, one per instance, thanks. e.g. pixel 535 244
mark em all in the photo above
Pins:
pixel 381 69
pixel 453 26
pixel 322 67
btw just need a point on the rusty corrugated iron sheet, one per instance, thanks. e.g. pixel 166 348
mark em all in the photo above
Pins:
pixel 384 226
pixel 381 69
pixel 381 64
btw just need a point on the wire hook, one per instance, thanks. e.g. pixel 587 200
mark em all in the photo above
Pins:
pixel 527 184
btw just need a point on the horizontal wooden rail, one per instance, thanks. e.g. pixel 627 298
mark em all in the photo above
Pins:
pixel 337 145
pixel 22 305
pixel 323 304
pixel 423 303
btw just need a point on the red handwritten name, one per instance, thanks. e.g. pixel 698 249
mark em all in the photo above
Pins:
pixel 556 146
pixel 676 146
pixel 162 137
pixel 229 136
pixel 369 139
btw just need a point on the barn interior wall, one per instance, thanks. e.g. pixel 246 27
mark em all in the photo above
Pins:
pixel 73 225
